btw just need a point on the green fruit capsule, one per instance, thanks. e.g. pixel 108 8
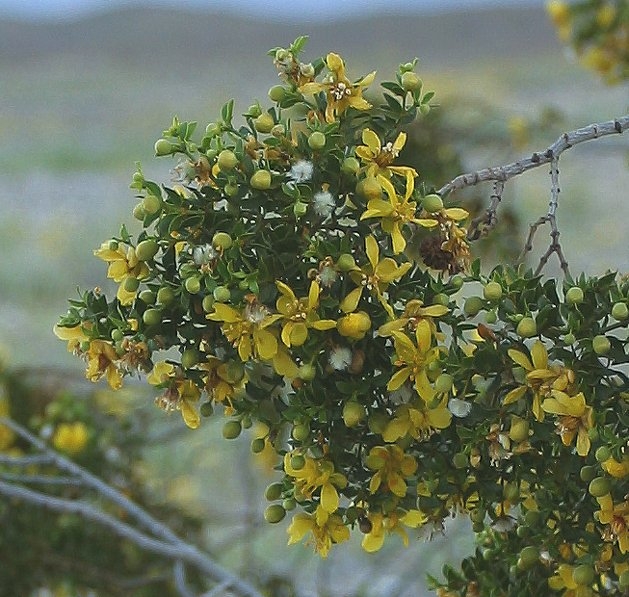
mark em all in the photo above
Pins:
pixel 257 445
pixel 264 123
pixel 353 413
pixel 146 250
pixel 587 473
pixel 529 556
pixel 227 160
pixel 261 180
pixel 277 93
pixel 316 140
pixel 300 432
pixel 232 429
pixel 574 296
pixel 192 285
pixel 443 383
pixel 274 513
pixel 273 491
pixel 472 305
pixel 583 575
pixel 410 81
pixel 117 335
pixel 297 462
pixel 599 487
pixel 207 409
pixel 165 295
pixel 460 460
pixel 432 203
pixel 190 357
pixel 602 454
pixel 492 291
pixel 163 147
pixel 526 328
pixel 601 345
pixel 620 311
pixel 350 165
pixel 221 294
pixel 152 317
pixel 222 240
pixel 131 284
pixel 139 213
pixel 147 297
pixel 151 204
pixel 289 504
pixel 345 262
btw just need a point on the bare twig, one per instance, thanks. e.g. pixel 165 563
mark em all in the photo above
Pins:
pixel 164 542
pixel 483 224
pixel 567 140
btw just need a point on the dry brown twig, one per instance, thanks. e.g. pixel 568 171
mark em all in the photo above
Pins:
pixel 501 174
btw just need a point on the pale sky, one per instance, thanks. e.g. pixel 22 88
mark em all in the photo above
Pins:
pixel 276 9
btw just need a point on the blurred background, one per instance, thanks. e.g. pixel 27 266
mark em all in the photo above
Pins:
pixel 87 86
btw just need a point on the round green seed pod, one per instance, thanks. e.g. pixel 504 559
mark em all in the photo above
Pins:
pixel 232 429
pixel 274 513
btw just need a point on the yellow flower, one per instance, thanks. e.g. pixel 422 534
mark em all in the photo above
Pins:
pixel 541 378
pixel 326 530
pixel 103 360
pixel 223 380
pixel 396 212
pixel 70 437
pixel 317 474
pixel 73 335
pixel 392 465
pixel 417 422
pixel 558 11
pixel 616 469
pixel 413 360
pixel 576 418
pixel 7 435
pixel 122 265
pixel 380 157
pixel 375 277
pixel 340 92
pixel 299 314
pixel 562 579
pixel 616 516
pixel 414 312
pixel 180 393
pixel 382 524
pixel 246 329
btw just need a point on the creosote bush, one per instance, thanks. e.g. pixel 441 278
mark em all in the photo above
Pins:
pixel 297 276
pixel 598 31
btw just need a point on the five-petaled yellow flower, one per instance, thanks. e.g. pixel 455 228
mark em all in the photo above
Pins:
pixel 317 474
pixel 396 212
pixel 392 466
pixel 326 529
pixel 340 92
pixel 122 265
pixel 246 329
pixel 382 524
pixel 300 314
pixel 102 360
pixel 616 516
pixel 379 157
pixel 541 377
pixel 576 418
pixel 413 360
pixel 180 393
pixel 417 421
pixel 375 277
